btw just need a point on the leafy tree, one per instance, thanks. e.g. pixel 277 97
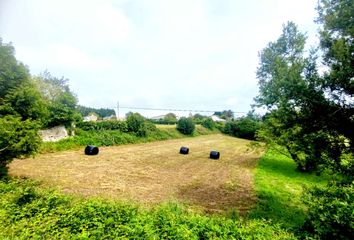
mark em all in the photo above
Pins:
pixel 21 108
pixel 137 124
pixel 101 112
pixel 226 114
pixel 208 123
pixel 13 73
pixel 27 102
pixel 17 138
pixel 245 127
pixel 185 125
pixel 170 118
pixel 311 114
pixel 199 118
pixel 61 101
pixel 303 118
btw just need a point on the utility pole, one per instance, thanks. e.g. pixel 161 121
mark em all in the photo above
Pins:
pixel 117 112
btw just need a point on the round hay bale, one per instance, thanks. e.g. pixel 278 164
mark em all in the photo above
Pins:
pixel 184 150
pixel 91 150
pixel 214 154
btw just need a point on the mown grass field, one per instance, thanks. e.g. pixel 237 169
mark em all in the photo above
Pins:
pixel 154 172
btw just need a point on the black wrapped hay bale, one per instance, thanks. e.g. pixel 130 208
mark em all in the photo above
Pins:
pixel 214 155
pixel 184 150
pixel 91 150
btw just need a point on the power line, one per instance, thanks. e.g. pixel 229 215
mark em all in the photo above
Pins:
pixel 173 109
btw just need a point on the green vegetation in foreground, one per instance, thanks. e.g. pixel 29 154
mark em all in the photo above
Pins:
pixel 114 137
pixel 27 211
pixel 279 187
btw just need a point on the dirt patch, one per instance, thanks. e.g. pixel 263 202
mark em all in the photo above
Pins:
pixel 154 172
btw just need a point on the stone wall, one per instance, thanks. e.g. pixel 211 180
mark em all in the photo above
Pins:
pixel 53 134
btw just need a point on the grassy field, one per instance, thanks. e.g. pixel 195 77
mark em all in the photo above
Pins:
pixel 279 187
pixel 150 191
pixel 154 172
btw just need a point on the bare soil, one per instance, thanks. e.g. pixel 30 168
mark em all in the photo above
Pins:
pixel 154 172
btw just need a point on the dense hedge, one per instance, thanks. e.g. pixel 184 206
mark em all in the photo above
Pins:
pixel 104 125
pixel 28 212
pixel 243 128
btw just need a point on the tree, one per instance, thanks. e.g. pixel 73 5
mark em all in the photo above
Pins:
pixel 170 118
pixel 61 101
pixel 303 119
pixel 21 108
pixel 226 114
pixel 17 138
pixel 137 124
pixel 185 125
pixel 101 112
pixel 311 114
pixel 208 123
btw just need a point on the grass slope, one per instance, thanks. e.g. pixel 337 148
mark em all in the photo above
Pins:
pixel 279 188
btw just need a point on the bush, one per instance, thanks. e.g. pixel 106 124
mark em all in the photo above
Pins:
pixel 17 138
pixel 243 128
pixel 185 126
pixel 28 212
pixel 137 124
pixel 104 125
pixel 208 123
pixel 330 212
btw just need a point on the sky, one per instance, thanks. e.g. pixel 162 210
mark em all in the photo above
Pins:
pixel 175 54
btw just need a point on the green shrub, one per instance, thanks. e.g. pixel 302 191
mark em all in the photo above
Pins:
pixel 330 212
pixel 29 212
pixel 104 125
pixel 208 123
pixel 242 128
pixel 137 124
pixel 185 126
pixel 17 138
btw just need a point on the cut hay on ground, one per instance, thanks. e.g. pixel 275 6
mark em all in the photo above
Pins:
pixel 154 172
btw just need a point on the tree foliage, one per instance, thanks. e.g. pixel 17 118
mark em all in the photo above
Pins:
pixel 304 116
pixel 170 118
pixel 101 112
pixel 185 125
pixel 244 127
pixel 21 108
pixel 311 112
pixel 17 138
pixel 137 124
pixel 208 123
pixel 61 102
pixel 226 114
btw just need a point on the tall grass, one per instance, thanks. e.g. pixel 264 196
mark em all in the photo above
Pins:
pixel 27 211
pixel 279 187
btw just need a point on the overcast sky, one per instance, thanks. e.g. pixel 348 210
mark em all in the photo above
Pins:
pixel 185 54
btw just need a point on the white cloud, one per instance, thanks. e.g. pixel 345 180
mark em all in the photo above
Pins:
pixel 181 53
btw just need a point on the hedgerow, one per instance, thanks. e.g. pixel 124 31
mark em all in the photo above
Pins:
pixel 29 212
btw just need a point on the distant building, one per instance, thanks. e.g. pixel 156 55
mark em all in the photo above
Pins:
pixel 90 118
pixel 112 117
pixel 160 117
pixel 216 118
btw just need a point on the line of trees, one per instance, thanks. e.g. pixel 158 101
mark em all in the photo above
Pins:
pixel 311 112
pixel 100 112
